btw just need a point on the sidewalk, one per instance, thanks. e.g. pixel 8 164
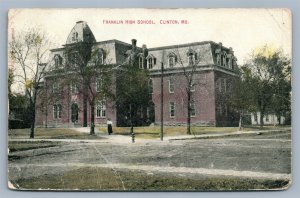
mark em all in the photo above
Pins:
pixel 238 133
pixel 127 139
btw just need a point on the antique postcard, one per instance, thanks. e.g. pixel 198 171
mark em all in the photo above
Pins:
pixel 149 99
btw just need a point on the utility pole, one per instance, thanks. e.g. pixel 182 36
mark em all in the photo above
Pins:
pixel 162 103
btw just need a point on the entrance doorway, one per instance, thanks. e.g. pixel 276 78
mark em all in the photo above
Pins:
pixel 74 112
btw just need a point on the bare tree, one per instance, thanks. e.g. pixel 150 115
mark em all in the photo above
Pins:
pixel 189 70
pixel 91 72
pixel 29 53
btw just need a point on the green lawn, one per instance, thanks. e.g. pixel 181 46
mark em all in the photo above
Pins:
pixel 50 133
pixel 141 132
pixel 25 145
pixel 105 179
pixel 153 131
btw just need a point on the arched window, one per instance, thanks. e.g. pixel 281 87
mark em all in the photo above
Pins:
pixel 74 112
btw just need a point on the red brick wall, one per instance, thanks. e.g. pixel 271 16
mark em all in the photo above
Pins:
pixel 203 97
pixel 66 99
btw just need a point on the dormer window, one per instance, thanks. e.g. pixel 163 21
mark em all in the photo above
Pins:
pixel 151 61
pixel 218 56
pixel 57 60
pixel 224 58
pixel 229 61
pixel 141 62
pixel 100 57
pixel 75 36
pixel 172 59
pixel 192 57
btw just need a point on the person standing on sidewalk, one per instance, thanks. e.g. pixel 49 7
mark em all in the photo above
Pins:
pixel 109 126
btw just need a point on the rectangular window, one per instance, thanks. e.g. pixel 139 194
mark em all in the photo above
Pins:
pixel 171 85
pixel 150 85
pixel 74 87
pixel 224 85
pixel 141 65
pixel 219 84
pixel 193 109
pixel 229 87
pixel 57 111
pixel 101 110
pixel 99 82
pixel 55 87
pixel 172 109
pixel 150 63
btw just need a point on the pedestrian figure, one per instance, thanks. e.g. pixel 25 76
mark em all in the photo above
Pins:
pixel 109 126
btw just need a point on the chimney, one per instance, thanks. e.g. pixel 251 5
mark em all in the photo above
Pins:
pixel 133 43
pixel 144 50
pixel 220 44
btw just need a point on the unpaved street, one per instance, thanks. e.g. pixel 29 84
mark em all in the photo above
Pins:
pixel 257 156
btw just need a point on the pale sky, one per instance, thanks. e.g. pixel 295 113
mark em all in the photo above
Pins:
pixel 241 29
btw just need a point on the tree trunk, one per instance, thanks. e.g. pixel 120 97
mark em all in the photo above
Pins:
pixel 262 114
pixel 241 121
pixel 189 115
pixel 84 110
pixel 92 128
pixel 32 111
pixel 279 120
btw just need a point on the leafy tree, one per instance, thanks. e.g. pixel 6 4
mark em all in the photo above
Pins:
pixel 132 94
pixel 269 77
pixel 28 52
pixel 241 99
